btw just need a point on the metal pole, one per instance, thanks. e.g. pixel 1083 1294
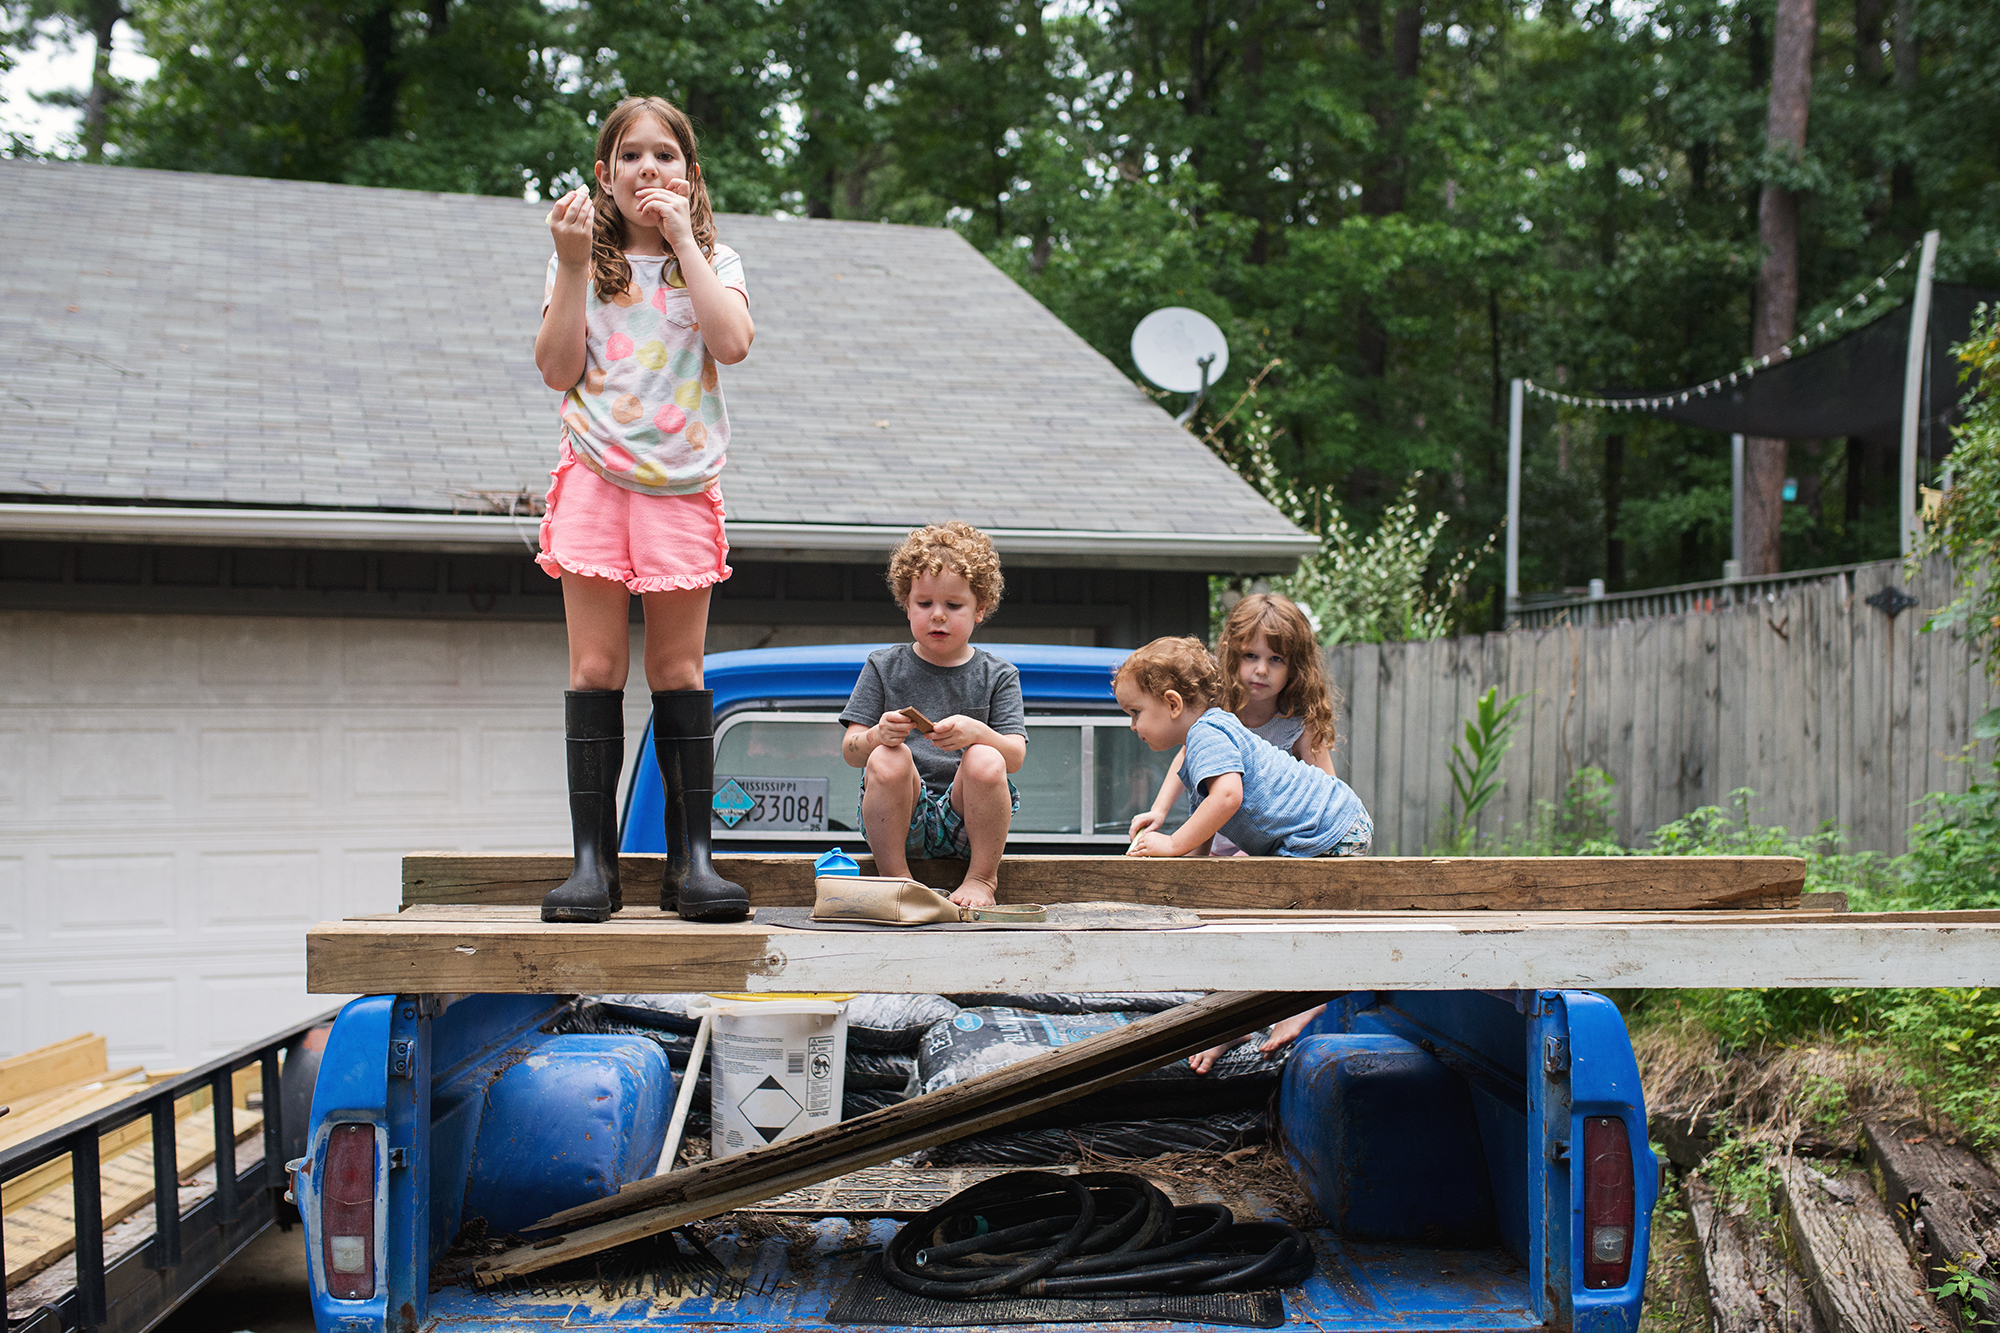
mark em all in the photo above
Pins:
pixel 1913 384
pixel 1514 401
pixel 1736 499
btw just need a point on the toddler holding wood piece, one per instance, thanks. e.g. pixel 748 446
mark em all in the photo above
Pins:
pixel 939 789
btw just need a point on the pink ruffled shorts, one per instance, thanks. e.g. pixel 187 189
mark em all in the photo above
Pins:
pixel 649 543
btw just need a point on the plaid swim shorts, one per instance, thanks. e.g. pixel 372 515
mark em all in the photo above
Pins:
pixel 937 832
pixel 1359 840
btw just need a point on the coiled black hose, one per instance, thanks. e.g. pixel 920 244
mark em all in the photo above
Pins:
pixel 1032 1233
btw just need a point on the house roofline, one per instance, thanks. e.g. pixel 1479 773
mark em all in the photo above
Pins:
pixel 1248 553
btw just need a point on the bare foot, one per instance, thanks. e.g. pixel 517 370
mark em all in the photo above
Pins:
pixel 1203 1061
pixel 975 893
pixel 1285 1032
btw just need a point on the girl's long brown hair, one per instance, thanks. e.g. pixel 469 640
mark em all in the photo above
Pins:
pixel 1308 694
pixel 610 273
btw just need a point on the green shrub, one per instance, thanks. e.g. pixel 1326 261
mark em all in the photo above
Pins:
pixel 1943 1043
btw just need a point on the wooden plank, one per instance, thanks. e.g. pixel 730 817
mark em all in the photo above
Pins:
pixel 22 1189
pixel 1750 1289
pixel 1810 808
pixel 62 1108
pixel 1646 672
pixel 1903 736
pixel 1555 683
pixel 1594 713
pixel 1325 883
pixel 1365 743
pixel 1835 646
pixel 1867 804
pixel 1401 951
pixel 1958 1207
pixel 1427 740
pixel 1859 1277
pixel 648 1207
pixel 1504 816
pixel 44 1231
pixel 1622 704
pixel 1733 723
pixel 1392 697
pixel 51 1066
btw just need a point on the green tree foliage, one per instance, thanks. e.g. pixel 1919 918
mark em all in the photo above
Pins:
pixel 1403 205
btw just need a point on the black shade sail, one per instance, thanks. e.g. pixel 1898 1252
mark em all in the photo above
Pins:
pixel 1852 386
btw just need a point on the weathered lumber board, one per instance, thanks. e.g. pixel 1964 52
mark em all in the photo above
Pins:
pixel 508 950
pixel 651 1206
pixel 1860 1278
pixel 50 1066
pixel 1377 883
pixel 1750 1290
pixel 1958 1210
pixel 39 1234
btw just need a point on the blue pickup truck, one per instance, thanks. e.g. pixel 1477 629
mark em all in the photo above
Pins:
pixel 1479 1159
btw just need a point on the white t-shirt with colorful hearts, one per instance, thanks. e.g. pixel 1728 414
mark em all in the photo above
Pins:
pixel 648 413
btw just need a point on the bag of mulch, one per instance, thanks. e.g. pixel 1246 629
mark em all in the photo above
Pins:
pixel 881 1069
pixel 1084 1002
pixel 1126 1139
pixel 894 1022
pixel 983 1039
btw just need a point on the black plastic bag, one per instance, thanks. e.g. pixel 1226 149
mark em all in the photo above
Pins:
pixel 881 1069
pixel 667 1011
pixel 894 1022
pixel 1127 1139
pixel 860 1101
pixel 1084 1002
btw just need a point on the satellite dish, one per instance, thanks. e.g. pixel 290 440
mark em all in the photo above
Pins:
pixel 1182 351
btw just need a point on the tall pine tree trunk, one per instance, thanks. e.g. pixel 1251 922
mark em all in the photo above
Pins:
pixel 1777 304
pixel 103 16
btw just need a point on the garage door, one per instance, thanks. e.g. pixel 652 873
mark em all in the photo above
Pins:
pixel 181 796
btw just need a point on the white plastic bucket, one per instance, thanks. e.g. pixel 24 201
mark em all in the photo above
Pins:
pixel 777 1067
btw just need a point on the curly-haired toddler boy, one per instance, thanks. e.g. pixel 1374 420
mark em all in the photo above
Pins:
pixel 945 793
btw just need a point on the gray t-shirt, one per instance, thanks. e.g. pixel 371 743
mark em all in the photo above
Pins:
pixel 984 689
pixel 1290 808
pixel 1282 731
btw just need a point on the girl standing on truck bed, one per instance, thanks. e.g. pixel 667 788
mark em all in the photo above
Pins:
pixel 640 305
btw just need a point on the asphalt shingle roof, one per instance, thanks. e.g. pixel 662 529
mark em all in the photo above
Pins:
pixel 229 340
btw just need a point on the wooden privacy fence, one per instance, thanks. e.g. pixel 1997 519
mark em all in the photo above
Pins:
pixel 1828 707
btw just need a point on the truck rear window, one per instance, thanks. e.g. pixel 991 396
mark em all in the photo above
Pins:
pixel 1084 779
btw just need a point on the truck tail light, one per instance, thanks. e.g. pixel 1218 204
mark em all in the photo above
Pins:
pixel 347 1212
pixel 1607 1202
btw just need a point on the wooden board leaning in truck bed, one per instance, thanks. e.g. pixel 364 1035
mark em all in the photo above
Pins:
pixel 1336 884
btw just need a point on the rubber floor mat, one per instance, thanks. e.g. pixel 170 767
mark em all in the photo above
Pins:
pixel 869 1299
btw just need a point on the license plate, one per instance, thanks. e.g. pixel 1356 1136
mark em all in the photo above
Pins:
pixel 770 804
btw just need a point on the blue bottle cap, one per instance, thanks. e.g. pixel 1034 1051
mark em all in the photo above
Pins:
pixel 836 862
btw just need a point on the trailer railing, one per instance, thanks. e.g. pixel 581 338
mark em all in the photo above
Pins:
pixel 86 1306
pixel 1680 599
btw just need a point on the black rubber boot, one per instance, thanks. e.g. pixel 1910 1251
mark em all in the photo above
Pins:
pixel 594 736
pixel 684 743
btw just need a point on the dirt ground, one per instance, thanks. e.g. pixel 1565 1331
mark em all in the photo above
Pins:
pixel 262 1290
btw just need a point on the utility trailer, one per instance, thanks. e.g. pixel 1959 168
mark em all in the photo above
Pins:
pixel 166 1241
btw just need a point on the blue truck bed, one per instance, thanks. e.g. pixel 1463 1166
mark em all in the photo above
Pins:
pixel 1438 1133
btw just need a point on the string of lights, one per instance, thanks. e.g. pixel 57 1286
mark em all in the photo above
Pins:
pixel 1653 402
